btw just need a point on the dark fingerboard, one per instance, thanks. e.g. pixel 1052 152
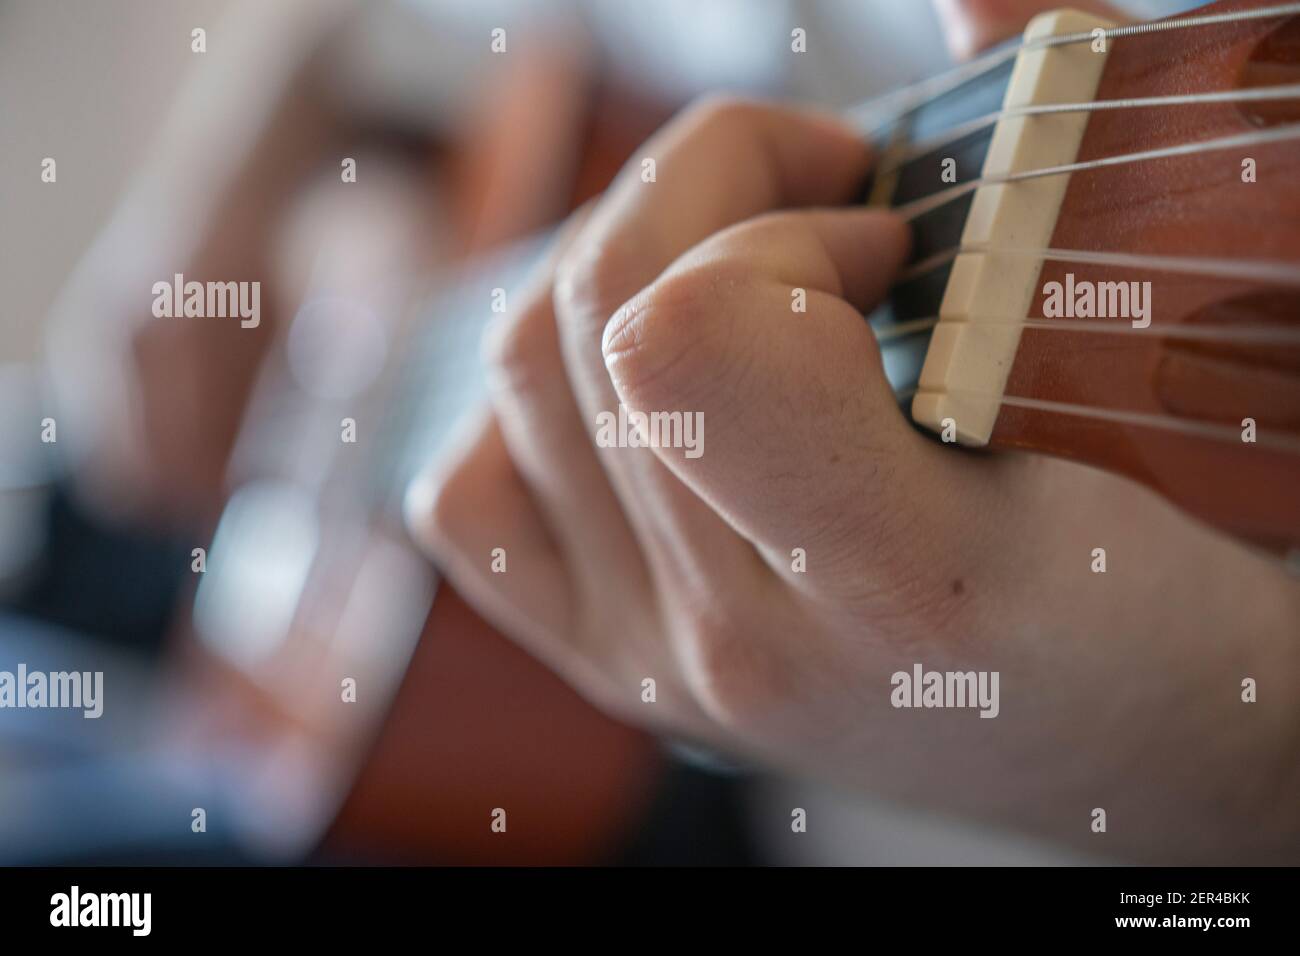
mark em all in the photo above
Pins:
pixel 936 231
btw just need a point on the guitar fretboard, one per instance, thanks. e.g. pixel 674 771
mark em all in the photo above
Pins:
pixel 904 176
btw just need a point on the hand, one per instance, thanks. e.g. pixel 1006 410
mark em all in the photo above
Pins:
pixel 1118 691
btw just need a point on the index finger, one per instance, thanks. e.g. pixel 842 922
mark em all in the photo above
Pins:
pixel 721 162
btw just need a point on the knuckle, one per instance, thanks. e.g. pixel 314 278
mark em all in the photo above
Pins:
pixel 652 336
pixel 592 281
pixel 435 509
pixel 515 351
pixel 442 504
pixel 686 294
pixel 445 513
pixel 728 673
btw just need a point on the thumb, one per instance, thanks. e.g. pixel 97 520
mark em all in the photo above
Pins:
pixel 970 26
pixel 805 444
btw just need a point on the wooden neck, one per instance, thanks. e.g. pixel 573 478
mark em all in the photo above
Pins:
pixel 1194 388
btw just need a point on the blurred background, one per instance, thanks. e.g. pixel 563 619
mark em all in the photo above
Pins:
pixel 198 531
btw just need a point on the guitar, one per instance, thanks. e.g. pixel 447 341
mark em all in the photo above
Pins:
pixel 1098 273
pixel 1110 270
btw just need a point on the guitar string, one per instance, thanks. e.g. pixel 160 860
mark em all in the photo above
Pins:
pixel 1282 273
pixel 1284 443
pixel 1235 334
pixel 1276 134
pixel 1162 26
pixel 908 100
pixel 962 130
pixel 1251 270
pixel 881 112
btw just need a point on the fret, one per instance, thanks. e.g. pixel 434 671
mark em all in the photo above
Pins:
pixel 903 352
pixel 967 363
pixel 1107 166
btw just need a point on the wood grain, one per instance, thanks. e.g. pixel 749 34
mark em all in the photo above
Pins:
pixel 1186 206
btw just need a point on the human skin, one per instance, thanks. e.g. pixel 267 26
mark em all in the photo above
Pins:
pixel 1119 691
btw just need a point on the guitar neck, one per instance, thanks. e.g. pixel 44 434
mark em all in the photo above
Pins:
pixel 1102 270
